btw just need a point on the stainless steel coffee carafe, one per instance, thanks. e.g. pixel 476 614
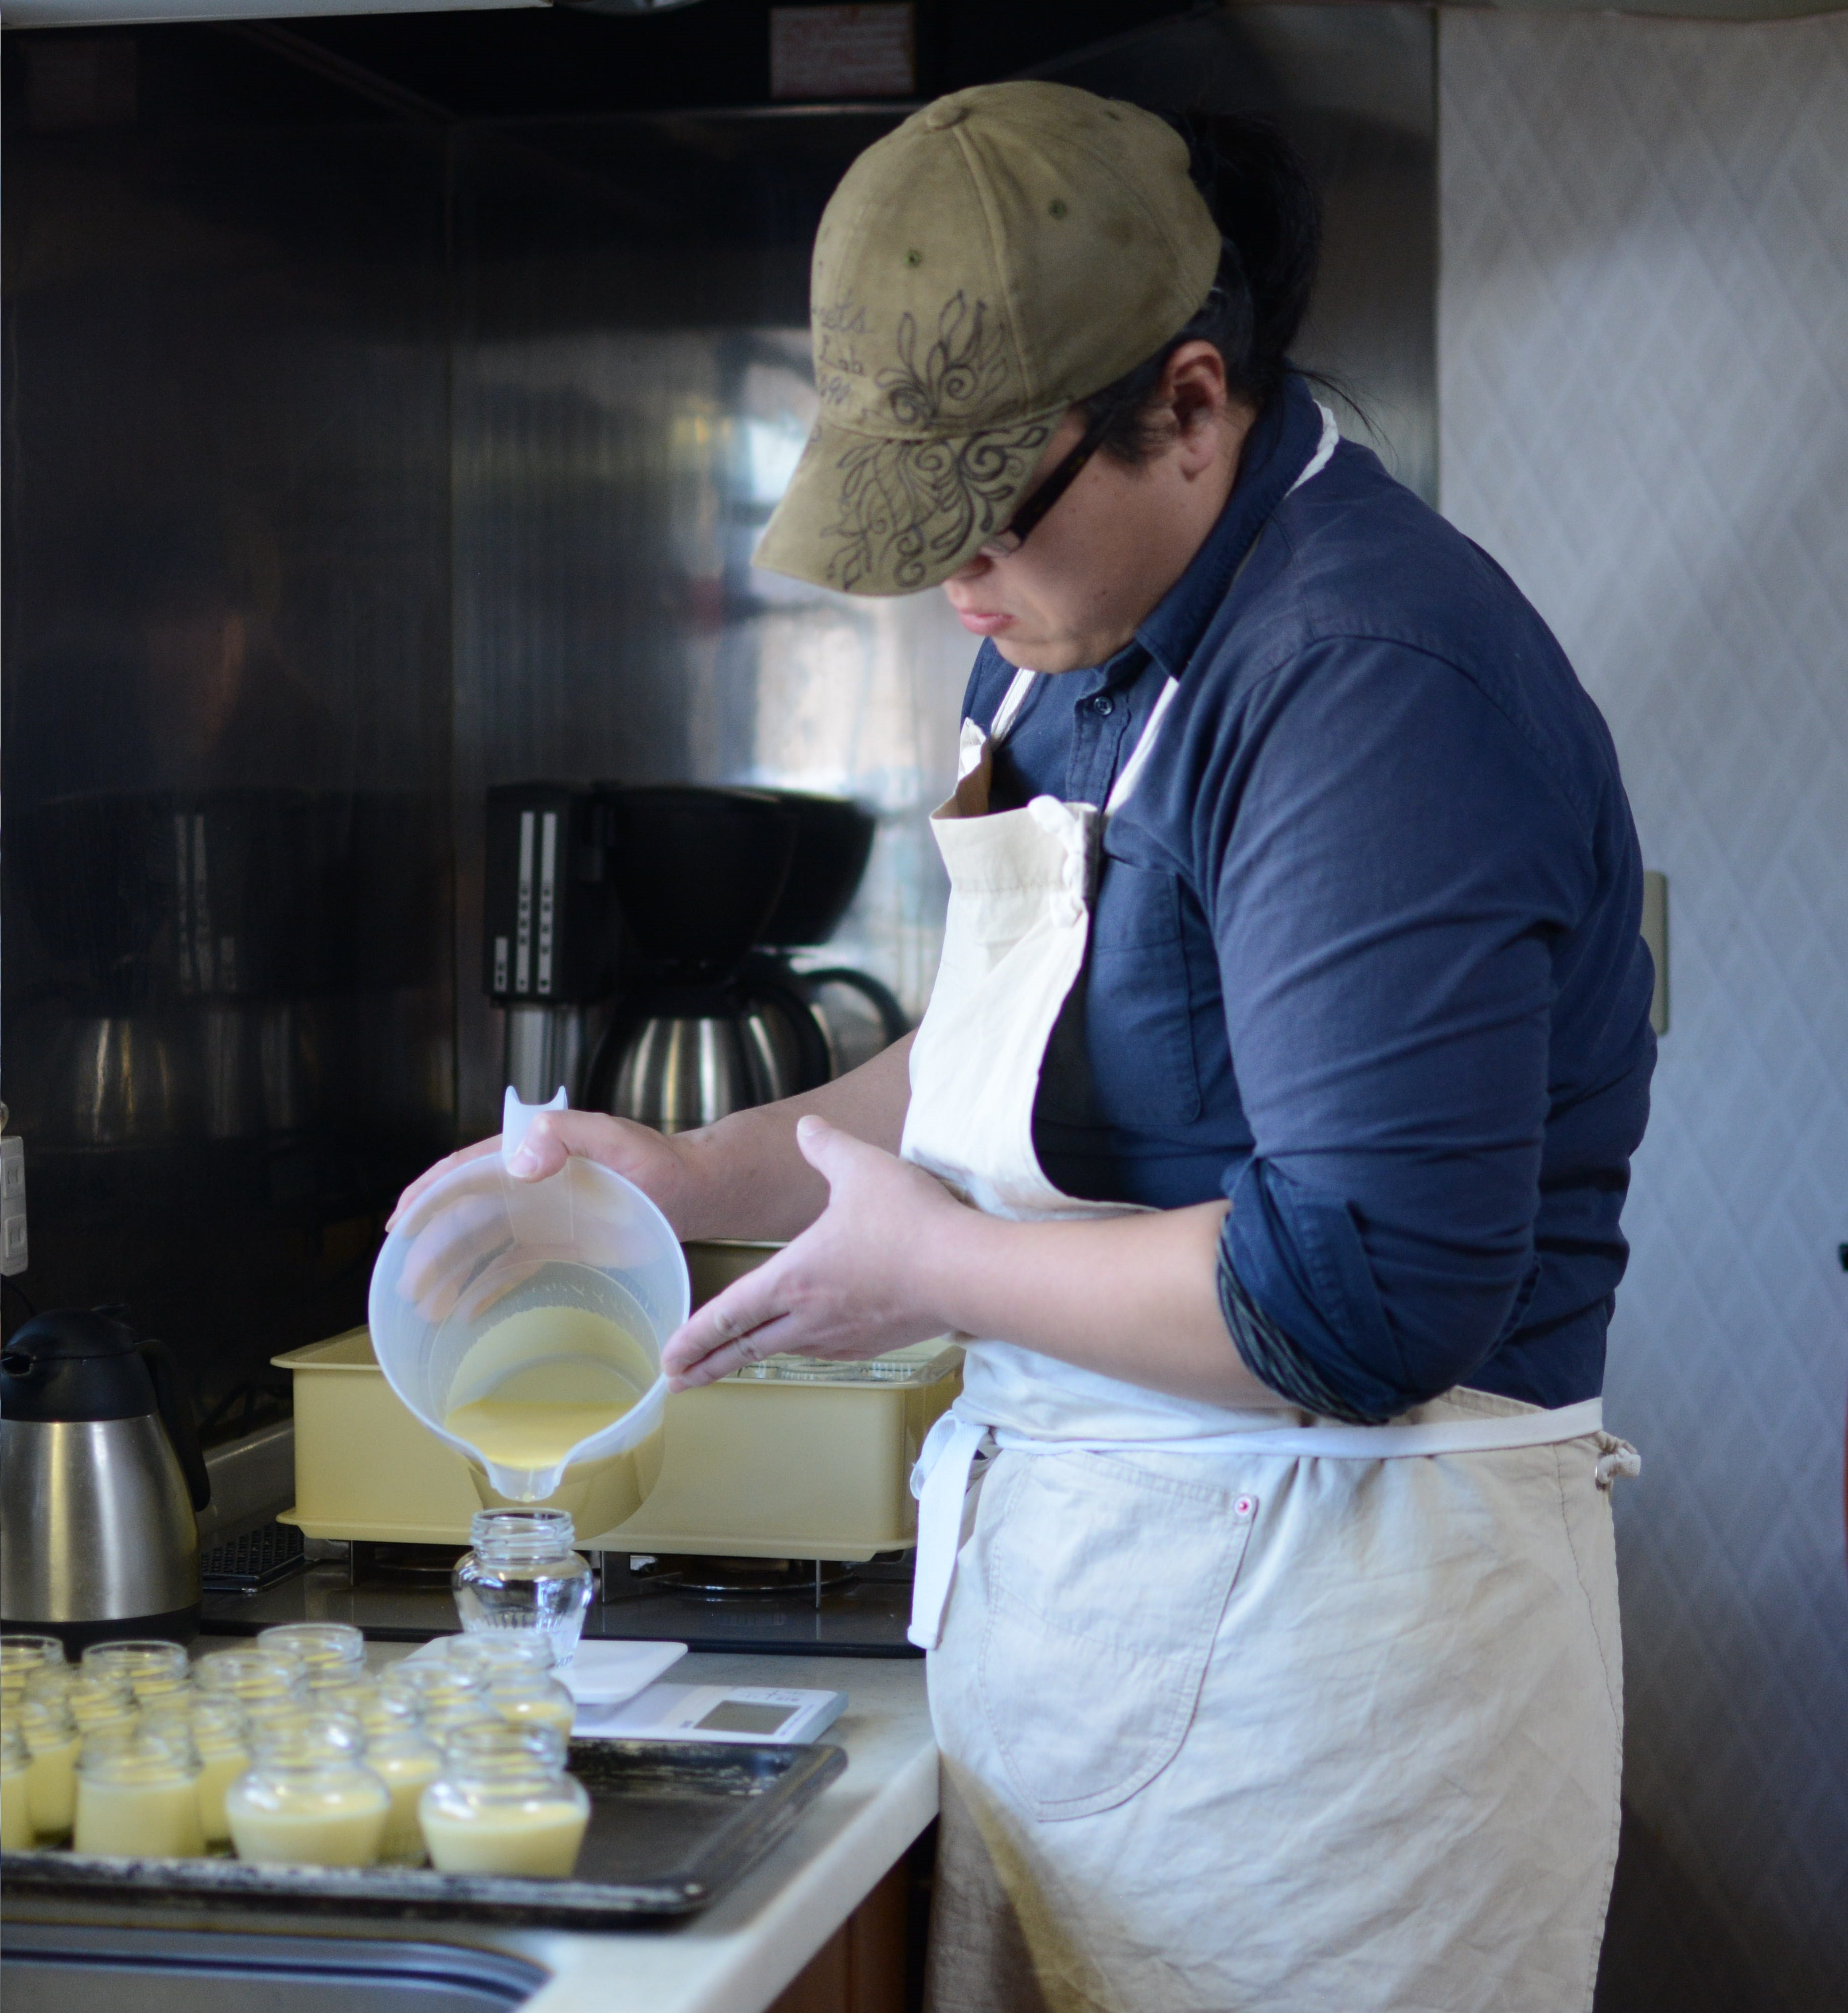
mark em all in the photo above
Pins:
pixel 100 1476
pixel 687 1055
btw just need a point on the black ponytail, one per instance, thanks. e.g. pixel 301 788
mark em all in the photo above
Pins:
pixel 1270 215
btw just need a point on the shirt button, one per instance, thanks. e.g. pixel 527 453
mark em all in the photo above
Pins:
pixel 1100 705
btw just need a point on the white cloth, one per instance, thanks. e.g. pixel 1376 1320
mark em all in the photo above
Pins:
pixel 1388 1656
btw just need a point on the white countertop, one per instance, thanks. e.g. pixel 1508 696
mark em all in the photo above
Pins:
pixel 736 1956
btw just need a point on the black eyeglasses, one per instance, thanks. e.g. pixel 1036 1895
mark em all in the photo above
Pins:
pixel 1039 506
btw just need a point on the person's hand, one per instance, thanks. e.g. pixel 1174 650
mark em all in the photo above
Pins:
pixel 652 1161
pixel 855 1284
pixel 473 1243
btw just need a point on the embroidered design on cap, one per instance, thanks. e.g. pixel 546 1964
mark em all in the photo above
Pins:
pixel 908 504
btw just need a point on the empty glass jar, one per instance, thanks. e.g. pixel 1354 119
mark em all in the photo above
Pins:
pixel 524 1576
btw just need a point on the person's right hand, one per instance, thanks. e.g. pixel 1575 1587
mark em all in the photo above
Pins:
pixel 653 1161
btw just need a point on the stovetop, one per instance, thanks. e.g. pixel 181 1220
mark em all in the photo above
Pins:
pixel 865 1615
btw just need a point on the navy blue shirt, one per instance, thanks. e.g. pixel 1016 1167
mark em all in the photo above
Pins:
pixel 1364 955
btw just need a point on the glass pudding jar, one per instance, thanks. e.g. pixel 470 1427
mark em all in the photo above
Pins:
pixel 253 1677
pixel 315 1645
pixel 309 1798
pixel 445 1694
pixel 20 1656
pixel 16 1814
pixel 94 1698
pixel 504 1804
pixel 52 1741
pixel 524 1577
pixel 524 1696
pixel 404 1757
pixel 327 1688
pixel 149 1669
pixel 137 1794
pixel 220 1732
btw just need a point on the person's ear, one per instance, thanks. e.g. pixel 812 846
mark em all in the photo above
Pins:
pixel 1195 394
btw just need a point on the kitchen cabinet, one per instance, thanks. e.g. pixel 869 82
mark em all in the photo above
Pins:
pixel 863 1966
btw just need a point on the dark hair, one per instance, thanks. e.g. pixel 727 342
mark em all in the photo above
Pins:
pixel 1269 214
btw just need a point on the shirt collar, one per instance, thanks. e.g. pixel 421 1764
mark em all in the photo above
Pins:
pixel 1277 451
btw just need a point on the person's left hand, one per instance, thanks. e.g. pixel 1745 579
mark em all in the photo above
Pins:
pixel 855 1284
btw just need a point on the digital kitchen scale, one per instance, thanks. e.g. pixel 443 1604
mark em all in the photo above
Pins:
pixel 744 1713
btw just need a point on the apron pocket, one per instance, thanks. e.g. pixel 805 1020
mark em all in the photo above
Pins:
pixel 1106 1585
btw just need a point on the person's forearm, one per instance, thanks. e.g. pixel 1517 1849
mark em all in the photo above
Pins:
pixel 1135 1297
pixel 752 1181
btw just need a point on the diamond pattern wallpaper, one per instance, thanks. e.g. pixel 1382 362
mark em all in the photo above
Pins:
pixel 1643 393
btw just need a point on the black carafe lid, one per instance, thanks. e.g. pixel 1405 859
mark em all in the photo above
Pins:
pixel 81 1365
pixel 697 872
pixel 76 1363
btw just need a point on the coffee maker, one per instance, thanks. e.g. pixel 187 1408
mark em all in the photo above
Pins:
pixel 669 912
pixel 857 1014
pixel 550 929
pixel 700 1030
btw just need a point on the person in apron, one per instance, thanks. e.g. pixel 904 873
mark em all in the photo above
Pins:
pixel 1264 1135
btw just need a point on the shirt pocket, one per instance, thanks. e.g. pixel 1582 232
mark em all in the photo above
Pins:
pixel 1107 1583
pixel 1138 1003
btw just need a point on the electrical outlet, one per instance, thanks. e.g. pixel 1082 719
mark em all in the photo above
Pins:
pixel 12 1204
pixel 1654 934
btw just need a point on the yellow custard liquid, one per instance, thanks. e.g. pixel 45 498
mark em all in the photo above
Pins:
pixel 531 1433
pixel 15 1815
pixel 559 1713
pixel 51 1787
pixel 536 1384
pixel 219 1767
pixel 340 1827
pixel 538 1839
pixel 406 1776
pixel 139 1820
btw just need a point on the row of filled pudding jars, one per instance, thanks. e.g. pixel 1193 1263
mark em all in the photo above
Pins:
pixel 289 1753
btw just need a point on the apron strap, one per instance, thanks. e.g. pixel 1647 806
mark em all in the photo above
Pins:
pixel 1340 1442
pixel 1139 754
pixel 1012 700
pixel 940 1480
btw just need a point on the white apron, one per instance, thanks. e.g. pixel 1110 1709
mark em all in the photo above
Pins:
pixel 1237 1710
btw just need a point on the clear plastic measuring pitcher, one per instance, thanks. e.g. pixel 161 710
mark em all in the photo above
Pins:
pixel 522 1322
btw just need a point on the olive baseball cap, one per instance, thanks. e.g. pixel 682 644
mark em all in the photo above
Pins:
pixel 1008 251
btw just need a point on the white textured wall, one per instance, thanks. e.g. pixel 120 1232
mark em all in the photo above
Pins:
pixel 1643 339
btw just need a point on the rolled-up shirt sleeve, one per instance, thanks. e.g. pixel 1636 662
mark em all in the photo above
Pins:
pixel 1393 863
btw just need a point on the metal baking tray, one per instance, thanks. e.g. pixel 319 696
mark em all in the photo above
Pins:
pixel 672 1826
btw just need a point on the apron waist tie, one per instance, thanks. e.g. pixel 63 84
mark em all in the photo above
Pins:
pixel 946 1499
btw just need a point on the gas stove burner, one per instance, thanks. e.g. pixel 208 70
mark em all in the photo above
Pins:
pixel 739 1579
